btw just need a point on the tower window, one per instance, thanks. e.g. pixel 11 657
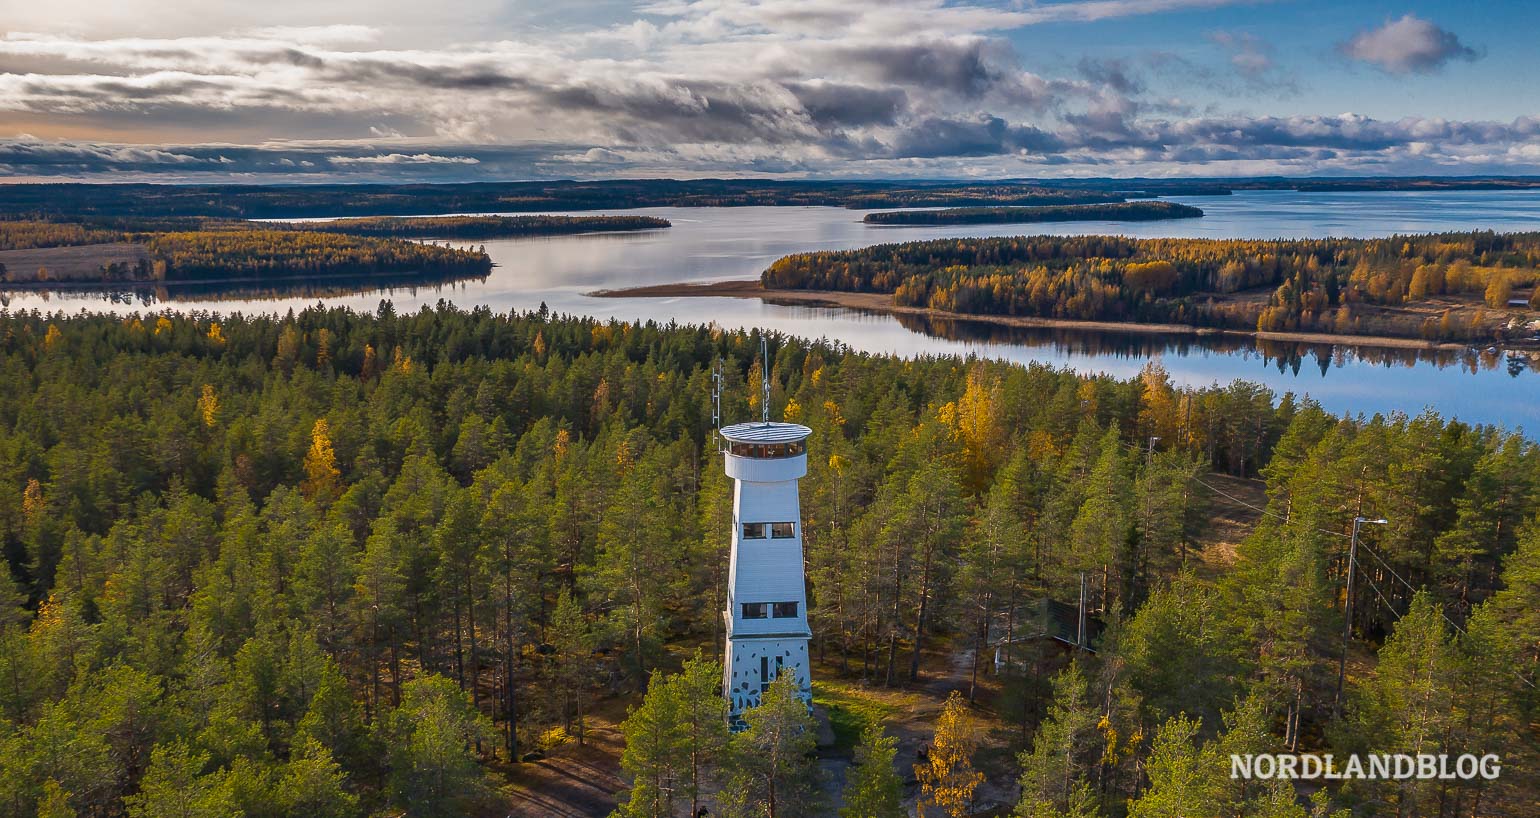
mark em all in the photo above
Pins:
pixel 782 531
pixel 785 610
pixel 754 610
pixel 768 451
pixel 753 531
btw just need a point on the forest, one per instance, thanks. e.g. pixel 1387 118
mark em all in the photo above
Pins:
pixel 26 234
pixel 306 201
pixel 345 564
pixel 478 227
pixel 318 200
pixel 257 253
pixel 1464 282
pixel 199 249
pixel 1119 211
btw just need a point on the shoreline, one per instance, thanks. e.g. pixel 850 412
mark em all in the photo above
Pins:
pixel 103 285
pixel 883 303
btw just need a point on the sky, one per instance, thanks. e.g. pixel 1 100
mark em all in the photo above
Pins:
pixel 479 90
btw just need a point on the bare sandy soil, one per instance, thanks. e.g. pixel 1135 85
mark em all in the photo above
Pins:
pixel 82 263
pixel 571 782
pixel 881 302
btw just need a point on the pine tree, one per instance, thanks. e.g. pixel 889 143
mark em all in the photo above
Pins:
pixel 571 668
pixel 771 773
pixel 674 741
pixel 703 726
pixel 1099 536
pixel 1184 779
pixel 1406 706
pixel 927 522
pixel 872 786
pixel 313 785
pixel 428 737
pixel 176 786
pixel 651 759
pixel 1053 772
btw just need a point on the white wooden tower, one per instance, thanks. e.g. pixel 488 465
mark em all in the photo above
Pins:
pixel 766 616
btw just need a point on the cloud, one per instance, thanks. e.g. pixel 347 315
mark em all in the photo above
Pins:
pixel 318 35
pixel 1249 54
pixel 812 87
pixel 403 159
pixel 1408 45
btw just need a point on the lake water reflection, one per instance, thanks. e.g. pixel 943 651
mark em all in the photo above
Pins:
pixel 733 243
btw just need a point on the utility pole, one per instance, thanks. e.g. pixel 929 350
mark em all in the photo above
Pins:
pixel 1149 454
pixel 1347 609
pixel 1080 616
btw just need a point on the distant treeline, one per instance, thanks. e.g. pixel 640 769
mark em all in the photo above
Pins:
pixel 33 233
pixel 1118 211
pixel 300 201
pixel 1318 284
pixel 307 201
pixel 478 227
pixel 1209 186
pixel 26 235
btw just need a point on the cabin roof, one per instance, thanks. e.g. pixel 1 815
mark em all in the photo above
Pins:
pixel 765 432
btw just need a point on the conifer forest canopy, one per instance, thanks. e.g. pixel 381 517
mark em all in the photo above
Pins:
pixel 341 564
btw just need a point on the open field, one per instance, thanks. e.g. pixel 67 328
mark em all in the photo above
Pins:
pixel 80 263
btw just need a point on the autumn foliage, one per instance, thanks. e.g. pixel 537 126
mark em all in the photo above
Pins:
pixel 1301 284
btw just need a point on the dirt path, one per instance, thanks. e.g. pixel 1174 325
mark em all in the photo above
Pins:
pixel 572 782
pixel 1232 515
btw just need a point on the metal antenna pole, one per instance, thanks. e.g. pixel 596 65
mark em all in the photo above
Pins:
pixel 1347 610
pixel 716 395
pixel 764 369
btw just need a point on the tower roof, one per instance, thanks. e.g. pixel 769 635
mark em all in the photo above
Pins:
pixel 765 432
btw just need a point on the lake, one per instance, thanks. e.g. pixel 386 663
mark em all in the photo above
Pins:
pixel 710 244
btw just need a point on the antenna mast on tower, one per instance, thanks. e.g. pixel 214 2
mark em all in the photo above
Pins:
pixel 716 395
pixel 764 369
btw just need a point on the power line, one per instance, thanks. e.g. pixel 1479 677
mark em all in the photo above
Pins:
pixel 1377 558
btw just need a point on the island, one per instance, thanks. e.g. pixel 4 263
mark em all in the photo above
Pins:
pixel 479 227
pixel 1140 211
pixel 1399 291
pixel 46 254
pixel 187 248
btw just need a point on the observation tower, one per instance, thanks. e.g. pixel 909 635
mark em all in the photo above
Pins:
pixel 766 616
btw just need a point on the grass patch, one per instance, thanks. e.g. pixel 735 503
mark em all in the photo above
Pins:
pixel 851 708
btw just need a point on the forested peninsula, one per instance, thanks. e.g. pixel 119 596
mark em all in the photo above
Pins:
pixel 1445 287
pixel 351 564
pixel 477 227
pixel 48 254
pixel 121 249
pixel 1141 211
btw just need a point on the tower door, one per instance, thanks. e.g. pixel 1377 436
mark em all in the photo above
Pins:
pixel 766 675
